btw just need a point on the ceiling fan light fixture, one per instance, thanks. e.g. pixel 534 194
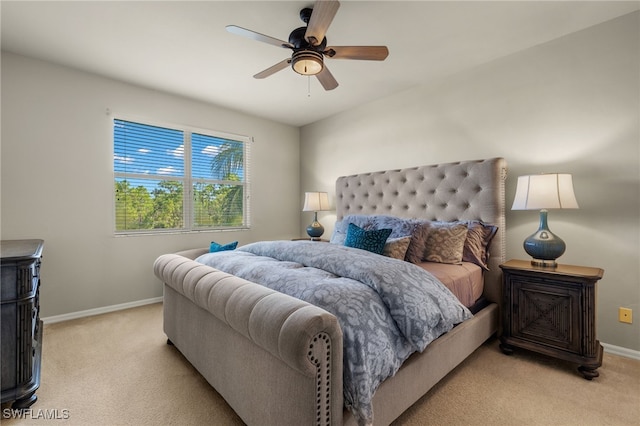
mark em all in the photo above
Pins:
pixel 309 45
pixel 307 62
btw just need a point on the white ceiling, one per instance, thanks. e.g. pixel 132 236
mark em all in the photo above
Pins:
pixel 183 48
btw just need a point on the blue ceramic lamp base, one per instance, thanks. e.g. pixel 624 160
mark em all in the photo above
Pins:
pixel 544 246
pixel 315 230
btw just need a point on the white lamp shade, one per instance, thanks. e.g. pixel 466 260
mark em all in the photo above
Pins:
pixel 545 191
pixel 315 201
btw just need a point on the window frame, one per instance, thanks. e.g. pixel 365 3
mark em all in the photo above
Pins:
pixel 187 180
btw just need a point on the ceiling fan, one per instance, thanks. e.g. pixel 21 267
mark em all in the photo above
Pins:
pixel 309 45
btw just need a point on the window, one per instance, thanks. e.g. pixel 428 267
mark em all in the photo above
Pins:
pixel 178 179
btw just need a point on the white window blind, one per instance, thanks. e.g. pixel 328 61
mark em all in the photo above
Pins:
pixel 179 179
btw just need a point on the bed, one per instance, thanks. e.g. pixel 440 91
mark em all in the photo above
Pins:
pixel 277 359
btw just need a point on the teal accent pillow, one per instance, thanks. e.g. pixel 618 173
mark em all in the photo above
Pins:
pixel 372 241
pixel 214 247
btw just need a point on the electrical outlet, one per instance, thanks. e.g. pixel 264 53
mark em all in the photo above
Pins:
pixel 625 315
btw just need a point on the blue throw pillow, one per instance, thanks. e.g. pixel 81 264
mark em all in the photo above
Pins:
pixel 214 247
pixel 372 241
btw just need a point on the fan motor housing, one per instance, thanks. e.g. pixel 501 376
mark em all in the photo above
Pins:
pixel 296 38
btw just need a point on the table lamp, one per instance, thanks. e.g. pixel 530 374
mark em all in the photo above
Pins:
pixel 315 202
pixel 542 192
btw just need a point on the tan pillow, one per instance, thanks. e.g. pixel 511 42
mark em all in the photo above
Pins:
pixel 476 248
pixel 445 242
pixel 415 251
pixel 397 247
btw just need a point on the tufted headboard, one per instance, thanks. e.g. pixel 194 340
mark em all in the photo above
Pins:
pixel 465 190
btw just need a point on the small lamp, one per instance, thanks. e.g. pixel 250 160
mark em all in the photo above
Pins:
pixel 315 202
pixel 542 192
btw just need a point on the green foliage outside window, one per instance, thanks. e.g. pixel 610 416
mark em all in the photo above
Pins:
pixel 217 205
pixel 138 208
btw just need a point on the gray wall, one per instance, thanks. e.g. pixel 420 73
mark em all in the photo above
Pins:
pixel 571 105
pixel 57 181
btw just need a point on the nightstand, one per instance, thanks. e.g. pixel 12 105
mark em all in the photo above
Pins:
pixel 552 311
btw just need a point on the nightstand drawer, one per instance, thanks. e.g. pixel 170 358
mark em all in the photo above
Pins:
pixel 545 313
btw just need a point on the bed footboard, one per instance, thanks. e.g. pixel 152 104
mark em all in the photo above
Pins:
pixel 287 354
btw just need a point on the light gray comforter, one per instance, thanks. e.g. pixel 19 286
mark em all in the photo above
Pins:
pixel 387 308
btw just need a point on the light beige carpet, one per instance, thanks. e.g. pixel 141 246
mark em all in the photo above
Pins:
pixel 116 369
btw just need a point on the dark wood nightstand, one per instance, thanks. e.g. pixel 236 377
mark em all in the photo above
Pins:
pixel 552 311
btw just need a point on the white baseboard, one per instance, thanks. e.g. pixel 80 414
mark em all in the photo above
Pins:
pixel 98 311
pixel 619 350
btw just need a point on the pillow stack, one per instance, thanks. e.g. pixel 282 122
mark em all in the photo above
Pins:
pixel 417 240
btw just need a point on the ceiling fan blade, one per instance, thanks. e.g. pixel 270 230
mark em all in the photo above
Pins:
pixel 367 53
pixel 323 13
pixel 234 29
pixel 326 79
pixel 273 69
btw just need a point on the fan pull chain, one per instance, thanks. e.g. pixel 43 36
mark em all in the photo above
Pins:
pixel 308 86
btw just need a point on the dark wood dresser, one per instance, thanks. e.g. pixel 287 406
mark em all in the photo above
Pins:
pixel 21 325
pixel 552 311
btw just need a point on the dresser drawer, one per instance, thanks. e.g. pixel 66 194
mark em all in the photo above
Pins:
pixel 24 276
